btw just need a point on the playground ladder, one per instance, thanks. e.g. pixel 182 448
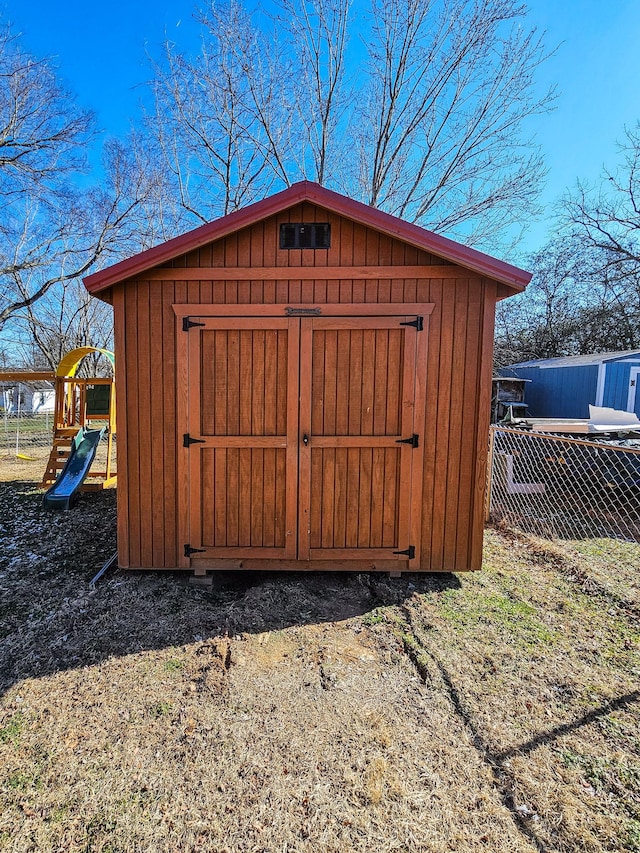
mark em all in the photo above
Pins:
pixel 60 451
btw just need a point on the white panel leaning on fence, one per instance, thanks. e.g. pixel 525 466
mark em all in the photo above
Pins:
pixel 564 487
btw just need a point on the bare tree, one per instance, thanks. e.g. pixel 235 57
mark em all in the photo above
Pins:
pixel 213 121
pixel 42 133
pixel 585 294
pixel 539 322
pixel 571 307
pixel 316 37
pixel 422 115
pixel 608 217
pixel 258 106
pixel 66 318
pixel 52 232
pixel 441 133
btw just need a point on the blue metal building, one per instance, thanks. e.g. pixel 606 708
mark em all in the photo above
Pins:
pixel 564 387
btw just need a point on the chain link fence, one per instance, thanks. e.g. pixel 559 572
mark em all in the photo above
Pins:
pixel 27 415
pixel 25 445
pixel 564 488
pixel 27 411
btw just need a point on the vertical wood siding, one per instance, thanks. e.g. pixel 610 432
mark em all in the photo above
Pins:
pixel 456 403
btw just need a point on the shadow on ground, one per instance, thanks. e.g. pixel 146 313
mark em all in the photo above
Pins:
pixel 52 619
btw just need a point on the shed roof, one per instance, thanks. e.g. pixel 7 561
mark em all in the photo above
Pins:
pixel 578 360
pixel 512 277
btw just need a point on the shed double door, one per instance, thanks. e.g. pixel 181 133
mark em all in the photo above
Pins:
pixel 303 437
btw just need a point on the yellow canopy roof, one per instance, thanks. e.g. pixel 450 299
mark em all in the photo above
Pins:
pixel 69 363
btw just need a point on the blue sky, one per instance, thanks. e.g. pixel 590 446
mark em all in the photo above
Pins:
pixel 100 53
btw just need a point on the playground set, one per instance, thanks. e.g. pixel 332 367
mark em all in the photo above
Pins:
pixel 84 414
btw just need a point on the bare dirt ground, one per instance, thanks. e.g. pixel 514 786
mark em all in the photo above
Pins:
pixel 489 712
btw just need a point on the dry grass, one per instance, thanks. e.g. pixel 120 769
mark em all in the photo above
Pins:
pixel 494 712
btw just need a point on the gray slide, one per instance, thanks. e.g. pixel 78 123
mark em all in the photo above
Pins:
pixel 83 450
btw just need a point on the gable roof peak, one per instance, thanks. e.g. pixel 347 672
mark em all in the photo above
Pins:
pixel 513 277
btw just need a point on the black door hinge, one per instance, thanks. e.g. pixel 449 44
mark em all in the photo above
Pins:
pixel 187 440
pixel 188 550
pixel 410 552
pixel 188 323
pixel 413 441
pixel 418 323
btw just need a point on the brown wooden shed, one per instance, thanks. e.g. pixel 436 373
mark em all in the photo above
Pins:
pixel 304 384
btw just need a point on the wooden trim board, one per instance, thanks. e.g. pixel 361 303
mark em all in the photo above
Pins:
pixel 296 273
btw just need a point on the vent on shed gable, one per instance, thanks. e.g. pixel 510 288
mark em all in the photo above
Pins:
pixel 305 235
